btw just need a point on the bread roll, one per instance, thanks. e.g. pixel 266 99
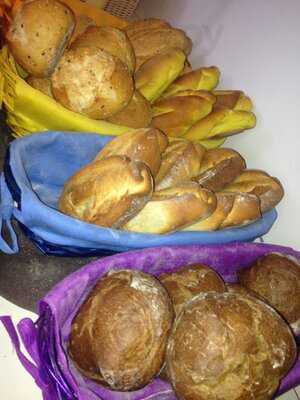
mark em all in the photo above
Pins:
pixel 233 209
pixel 144 145
pixel 139 25
pixel 120 333
pixel 41 84
pixel 170 118
pixel 109 39
pixel 219 167
pixel 233 99
pixel 228 346
pixel 107 192
pixel 173 208
pixel 190 281
pixel 181 161
pixel 267 188
pixel 92 82
pixel 276 278
pixel 137 113
pixel 39 34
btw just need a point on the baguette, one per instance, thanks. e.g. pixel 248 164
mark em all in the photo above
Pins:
pixel 233 99
pixel 172 209
pixel 269 189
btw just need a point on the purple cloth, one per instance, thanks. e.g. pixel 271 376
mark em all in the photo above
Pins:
pixel 46 340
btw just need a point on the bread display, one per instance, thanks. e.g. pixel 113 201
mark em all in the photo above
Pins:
pixel 120 333
pixel 220 167
pixel 181 162
pixel 92 82
pixel 37 46
pixel 276 279
pixel 93 194
pixel 267 188
pixel 173 208
pixel 146 145
pixel 137 114
pixel 154 36
pixel 190 281
pixel 228 346
pixel 109 39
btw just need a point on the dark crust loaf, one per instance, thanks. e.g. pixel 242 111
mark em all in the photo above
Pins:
pixel 228 346
pixel 276 278
pixel 120 334
pixel 190 281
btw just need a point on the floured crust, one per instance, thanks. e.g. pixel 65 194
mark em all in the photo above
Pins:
pixel 124 324
pixel 228 346
pixel 92 82
pixel 93 194
pixel 38 35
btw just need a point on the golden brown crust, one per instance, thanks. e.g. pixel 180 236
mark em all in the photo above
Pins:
pixel 41 84
pixel 175 115
pixel 190 281
pixel 92 82
pixel 139 145
pixel 181 161
pixel 93 194
pixel 137 113
pixel 145 24
pixel 276 278
pixel 109 39
pixel 125 321
pixel 233 99
pixel 228 346
pixel 38 46
pixel 267 188
pixel 173 208
pixel 219 167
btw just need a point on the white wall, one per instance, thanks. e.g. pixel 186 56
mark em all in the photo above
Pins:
pixel 256 45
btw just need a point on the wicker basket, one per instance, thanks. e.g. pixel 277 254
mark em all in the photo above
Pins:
pixel 121 8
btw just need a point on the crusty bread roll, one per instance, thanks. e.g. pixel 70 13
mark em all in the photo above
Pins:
pixel 219 167
pixel 175 115
pixel 153 37
pixel 137 113
pixel 228 346
pixel 41 84
pixel 92 82
pixel 233 209
pixel 107 192
pixel 276 278
pixel 181 161
pixel 173 208
pixel 144 145
pixel 38 35
pixel 267 188
pixel 190 281
pixel 112 40
pixel 120 333
pixel 233 99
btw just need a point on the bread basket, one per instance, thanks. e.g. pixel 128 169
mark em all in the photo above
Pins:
pixel 121 8
pixel 46 339
pixel 35 170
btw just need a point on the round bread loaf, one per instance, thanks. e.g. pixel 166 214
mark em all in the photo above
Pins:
pixel 227 346
pixel 276 278
pixel 137 113
pixel 120 333
pixel 107 192
pixel 109 39
pixel 92 82
pixel 145 145
pixel 39 34
pixel 190 281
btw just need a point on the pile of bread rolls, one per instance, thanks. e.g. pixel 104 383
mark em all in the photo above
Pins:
pixel 135 77
pixel 142 182
pixel 209 339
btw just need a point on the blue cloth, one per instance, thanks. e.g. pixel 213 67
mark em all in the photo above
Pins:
pixel 35 170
